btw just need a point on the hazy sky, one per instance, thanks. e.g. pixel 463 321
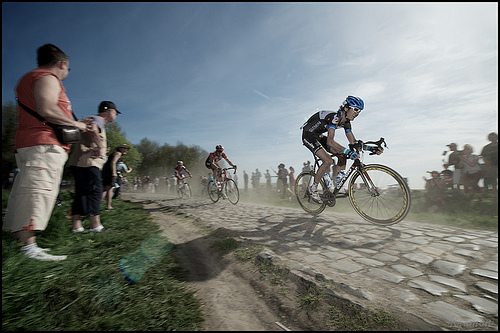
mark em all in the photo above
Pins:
pixel 247 75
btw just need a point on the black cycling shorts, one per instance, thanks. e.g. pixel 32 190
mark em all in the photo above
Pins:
pixel 313 142
pixel 210 165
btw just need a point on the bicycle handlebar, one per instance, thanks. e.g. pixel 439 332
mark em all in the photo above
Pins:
pixel 230 169
pixel 359 145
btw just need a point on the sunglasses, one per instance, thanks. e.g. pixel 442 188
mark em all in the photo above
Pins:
pixel 357 110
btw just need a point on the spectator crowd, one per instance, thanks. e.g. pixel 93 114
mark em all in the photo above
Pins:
pixel 463 172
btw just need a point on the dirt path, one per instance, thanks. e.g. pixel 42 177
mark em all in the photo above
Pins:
pixel 221 284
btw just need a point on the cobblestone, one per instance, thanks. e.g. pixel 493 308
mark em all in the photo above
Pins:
pixel 447 276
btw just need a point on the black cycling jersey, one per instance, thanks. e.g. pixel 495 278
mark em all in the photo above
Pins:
pixel 321 121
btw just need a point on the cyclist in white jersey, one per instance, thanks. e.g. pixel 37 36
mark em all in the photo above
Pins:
pixel 327 122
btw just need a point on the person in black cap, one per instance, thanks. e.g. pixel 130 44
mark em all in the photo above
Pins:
pixel 86 163
pixel 107 105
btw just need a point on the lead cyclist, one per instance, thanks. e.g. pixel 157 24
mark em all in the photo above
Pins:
pixel 320 145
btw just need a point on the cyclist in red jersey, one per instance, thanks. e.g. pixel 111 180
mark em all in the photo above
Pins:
pixel 215 157
pixel 178 172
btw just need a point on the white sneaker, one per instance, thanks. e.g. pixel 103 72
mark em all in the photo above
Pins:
pixel 313 190
pixel 98 229
pixel 32 251
pixel 81 229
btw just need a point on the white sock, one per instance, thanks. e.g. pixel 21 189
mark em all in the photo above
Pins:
pixel 27 247
pixel 314 186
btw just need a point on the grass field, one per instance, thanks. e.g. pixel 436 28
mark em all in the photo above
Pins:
pixel 87 291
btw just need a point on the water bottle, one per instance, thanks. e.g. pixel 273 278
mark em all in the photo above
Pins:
pixel 340 176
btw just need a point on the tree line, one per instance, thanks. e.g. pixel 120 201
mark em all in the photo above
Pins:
pixel 147 158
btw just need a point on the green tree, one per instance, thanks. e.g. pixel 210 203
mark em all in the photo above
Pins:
pixel 160 160
pixel 148 150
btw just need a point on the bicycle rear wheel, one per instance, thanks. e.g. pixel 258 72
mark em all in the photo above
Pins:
pixel 232 192
pixel 380 195
pixel 302 184
pixel 213 191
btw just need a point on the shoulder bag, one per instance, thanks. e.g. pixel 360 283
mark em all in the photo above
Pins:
pixel 65 134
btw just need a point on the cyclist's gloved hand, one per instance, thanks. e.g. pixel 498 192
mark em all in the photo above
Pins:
pixel 351 154
pixel 374 149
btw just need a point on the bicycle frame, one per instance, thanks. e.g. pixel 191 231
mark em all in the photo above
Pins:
pixel 356 165
pixel 226 187
pixel 376 199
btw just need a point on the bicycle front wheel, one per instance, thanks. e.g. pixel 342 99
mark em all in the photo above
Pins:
pixel 302 183
pixel 187 191
pixel 231 190
pixel 379 194
pixel 213 191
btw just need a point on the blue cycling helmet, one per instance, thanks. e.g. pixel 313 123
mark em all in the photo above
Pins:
pixel 354 102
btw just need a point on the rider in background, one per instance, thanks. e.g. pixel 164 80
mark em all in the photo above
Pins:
pixel 215 157
pixel 327 122
pixel 178 172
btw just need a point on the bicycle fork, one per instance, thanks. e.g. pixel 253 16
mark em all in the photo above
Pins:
pixel 372 189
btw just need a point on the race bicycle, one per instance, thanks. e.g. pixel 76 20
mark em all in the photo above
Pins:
pixel 225 188
pixel 376 192
pixel 183 189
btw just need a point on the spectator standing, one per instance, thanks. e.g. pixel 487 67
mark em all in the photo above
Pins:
pixel 307 166
pixel 39 155
pixel 121 167
pixel 109 173
pixel 291 175
pixel 282 179
pixel 86 162
pixel 245 180
pixel 490 158
pixel 458 165
pixel 435 191
pixel 257 178
pixel 268 179
pixel 473 172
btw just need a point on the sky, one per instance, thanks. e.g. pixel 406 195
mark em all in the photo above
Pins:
pixel 248 75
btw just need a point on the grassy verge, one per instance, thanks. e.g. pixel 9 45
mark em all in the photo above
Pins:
pixel 87 291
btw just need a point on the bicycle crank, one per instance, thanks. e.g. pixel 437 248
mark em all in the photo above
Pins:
pixel 329 199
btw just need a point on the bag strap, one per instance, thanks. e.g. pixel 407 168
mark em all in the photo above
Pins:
pixel 37 115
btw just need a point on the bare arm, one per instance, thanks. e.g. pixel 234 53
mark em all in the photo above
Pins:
pixel 115 159
pixel 46 94
pixel 335 147
pixel 98 149
pixel 230 163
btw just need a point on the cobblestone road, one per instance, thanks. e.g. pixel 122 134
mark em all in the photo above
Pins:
pixel 444 275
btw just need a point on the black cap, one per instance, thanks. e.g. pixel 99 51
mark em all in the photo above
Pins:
pixel 106 105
